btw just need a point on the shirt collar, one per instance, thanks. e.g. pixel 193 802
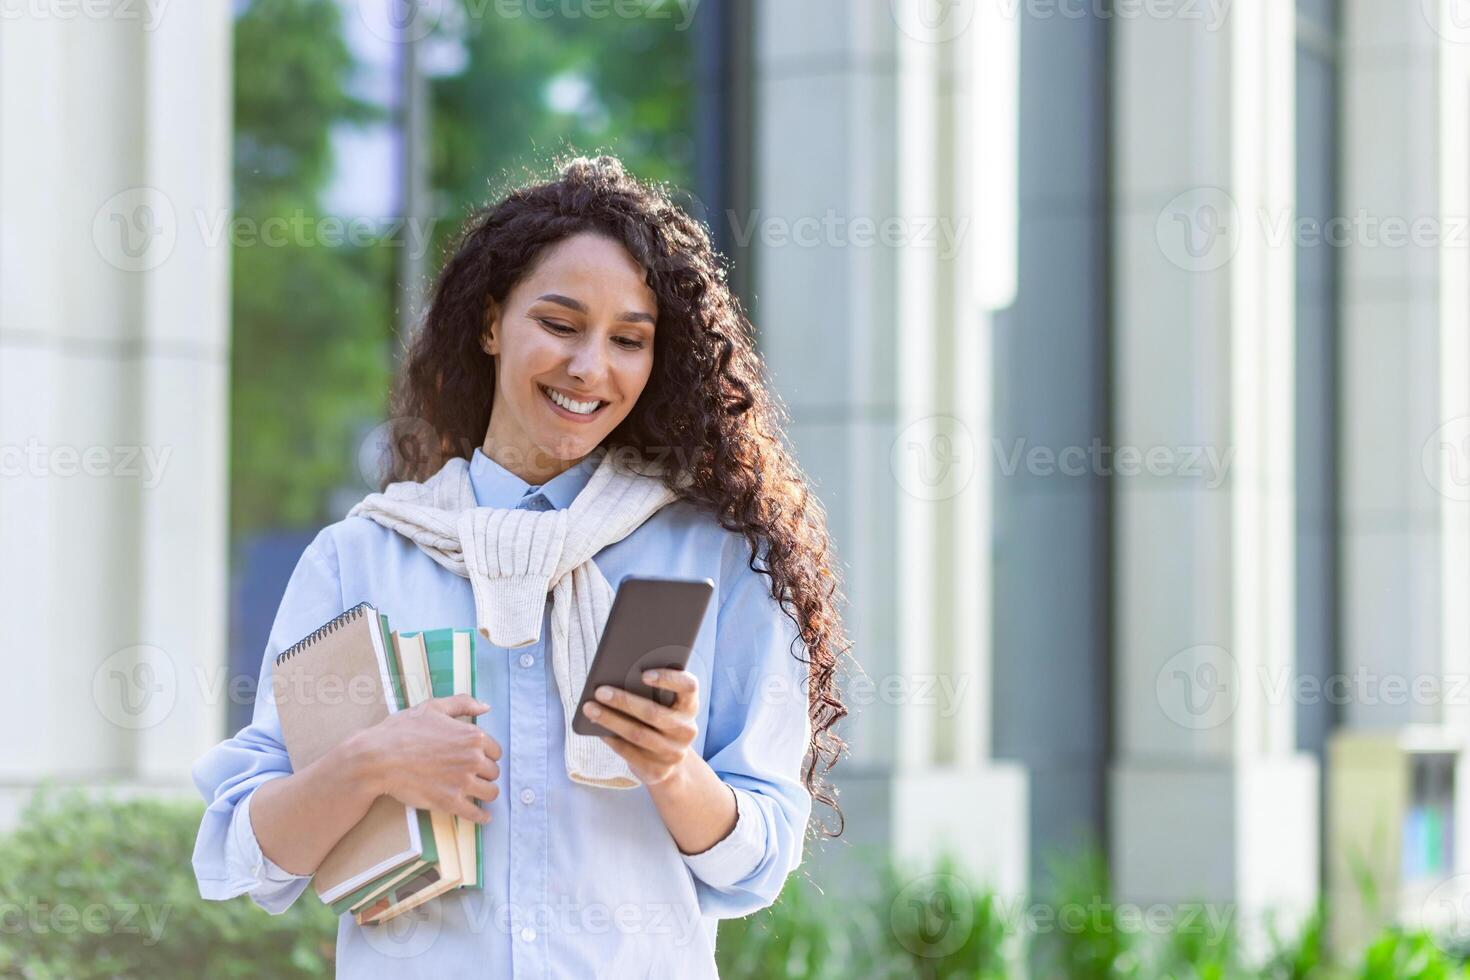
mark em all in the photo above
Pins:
pixel 496 486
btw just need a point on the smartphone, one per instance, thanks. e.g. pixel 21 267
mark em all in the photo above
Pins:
pixel 653 624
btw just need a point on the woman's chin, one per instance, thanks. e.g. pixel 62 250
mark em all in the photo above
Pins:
pixel 569 448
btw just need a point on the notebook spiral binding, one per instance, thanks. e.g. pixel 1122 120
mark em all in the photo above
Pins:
pixel 329 627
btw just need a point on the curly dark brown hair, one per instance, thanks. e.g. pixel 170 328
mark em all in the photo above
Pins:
pixel 707 403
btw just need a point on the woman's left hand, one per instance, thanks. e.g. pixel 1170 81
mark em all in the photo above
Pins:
pixel 653 739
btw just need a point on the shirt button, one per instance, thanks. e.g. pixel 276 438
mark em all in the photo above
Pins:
pixel 527 660
pixel 528 797
pixel 528 934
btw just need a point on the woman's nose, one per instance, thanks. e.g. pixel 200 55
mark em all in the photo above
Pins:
pixel 589 363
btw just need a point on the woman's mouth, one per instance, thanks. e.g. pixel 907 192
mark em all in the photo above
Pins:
pixel 570 408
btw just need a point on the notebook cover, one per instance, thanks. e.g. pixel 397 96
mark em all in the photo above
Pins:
pixel 349 902
pixel 319 686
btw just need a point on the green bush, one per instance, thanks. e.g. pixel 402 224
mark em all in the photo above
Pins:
pixel 1402 955
pixel 103 888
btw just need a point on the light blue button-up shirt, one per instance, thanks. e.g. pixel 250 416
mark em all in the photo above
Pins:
pixel 580 881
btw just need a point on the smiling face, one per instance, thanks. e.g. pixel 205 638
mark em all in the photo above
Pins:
pixel 573 348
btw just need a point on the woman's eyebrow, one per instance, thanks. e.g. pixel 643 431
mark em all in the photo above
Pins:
pixel 580 307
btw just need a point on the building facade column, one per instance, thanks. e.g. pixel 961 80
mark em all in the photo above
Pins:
pixel 883 237
pixel 1405 474
pixel 115 155
pixel 1209 799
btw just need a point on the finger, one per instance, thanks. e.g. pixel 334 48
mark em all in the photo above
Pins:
pixel 671 721
pixel 488 769
pixel 458 706
pixel 483 789
pixel 631 729
pixel 467 809
pixel 684 685
pixel 490 747
pixel 678 681
pixel 636 705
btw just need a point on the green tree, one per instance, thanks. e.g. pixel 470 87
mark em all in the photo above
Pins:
pixel 313 324
pixel 311 320
pixel 534 87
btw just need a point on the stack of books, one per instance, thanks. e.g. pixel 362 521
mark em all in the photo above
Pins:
pixel 348 675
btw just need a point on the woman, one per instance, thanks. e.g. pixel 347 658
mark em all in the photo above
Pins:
pixel 575 317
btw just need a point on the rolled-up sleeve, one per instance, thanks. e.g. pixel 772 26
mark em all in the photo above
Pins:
pixel 756 736
pixel 228 860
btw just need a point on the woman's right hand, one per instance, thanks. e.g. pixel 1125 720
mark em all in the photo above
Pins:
pixel 428 757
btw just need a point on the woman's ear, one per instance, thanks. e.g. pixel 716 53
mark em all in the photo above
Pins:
pixel 490 340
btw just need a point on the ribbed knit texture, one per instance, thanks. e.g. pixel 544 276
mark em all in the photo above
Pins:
pixel 513 558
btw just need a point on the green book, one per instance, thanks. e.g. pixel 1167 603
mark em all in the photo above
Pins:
pixel 395 676
pixel 402 883
pixel 440 646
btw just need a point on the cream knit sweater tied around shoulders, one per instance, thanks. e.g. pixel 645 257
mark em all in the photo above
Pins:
pixel 513 558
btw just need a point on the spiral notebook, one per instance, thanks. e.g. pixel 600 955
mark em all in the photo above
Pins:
pixel 332 684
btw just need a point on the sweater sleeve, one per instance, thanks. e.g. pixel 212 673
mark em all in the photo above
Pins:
pixel 228 860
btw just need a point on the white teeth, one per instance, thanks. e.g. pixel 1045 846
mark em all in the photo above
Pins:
pixel 581 408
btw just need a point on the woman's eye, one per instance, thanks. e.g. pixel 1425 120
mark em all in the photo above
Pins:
pixel 562 330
